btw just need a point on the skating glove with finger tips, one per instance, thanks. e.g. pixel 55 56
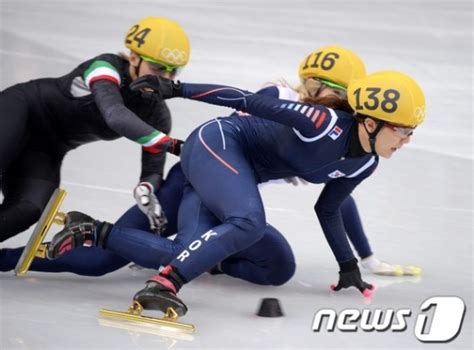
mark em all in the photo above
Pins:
pixel 349 276
pixel 148 203
pixel 162 87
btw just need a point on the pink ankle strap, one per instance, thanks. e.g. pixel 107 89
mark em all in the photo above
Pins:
pixel 164 282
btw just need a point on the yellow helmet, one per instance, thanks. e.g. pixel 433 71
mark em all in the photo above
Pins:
pixel 390 96
pixel 334 64
pixel 159 40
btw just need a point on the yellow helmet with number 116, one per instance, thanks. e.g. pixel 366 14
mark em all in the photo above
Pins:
pixel 390 96
pixel 159 40
pixel 333 64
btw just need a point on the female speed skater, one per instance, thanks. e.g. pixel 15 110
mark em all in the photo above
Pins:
pixel 43 119
pixel 337 144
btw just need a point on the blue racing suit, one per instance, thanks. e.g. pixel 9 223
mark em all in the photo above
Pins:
pixel 226 158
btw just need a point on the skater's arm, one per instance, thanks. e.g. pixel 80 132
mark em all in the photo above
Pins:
pixel 117 116
pixel 329 214
pixel 310 120
pixel 327 209
pixel 126 123
pixel 153 165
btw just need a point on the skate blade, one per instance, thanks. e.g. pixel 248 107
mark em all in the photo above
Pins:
pixel 412 271
pixel 394 273
pixel 389 270
pixel 134 313
pixel 35 246
pixel 145 328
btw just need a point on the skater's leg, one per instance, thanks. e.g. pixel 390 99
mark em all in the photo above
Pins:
pixel 13 126
pixel 142 247
pixel 151 251
pixel 27 186
pixel 270 261
pixel 221 177
pixel 233 198
pixel 160 291
pixel 226 184
pixel 92 261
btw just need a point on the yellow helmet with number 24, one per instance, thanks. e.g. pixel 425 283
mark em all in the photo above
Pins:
pixel 159 40
pixel 390 96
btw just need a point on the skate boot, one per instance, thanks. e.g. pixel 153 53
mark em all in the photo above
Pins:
pixel 80 230
pixel 160 293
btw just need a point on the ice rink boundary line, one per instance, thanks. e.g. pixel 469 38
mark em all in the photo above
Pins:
pixel 100 188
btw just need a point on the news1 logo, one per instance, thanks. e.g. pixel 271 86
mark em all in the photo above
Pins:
pixel 443 326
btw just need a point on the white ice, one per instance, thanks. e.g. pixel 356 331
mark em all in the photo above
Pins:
pixel 417 208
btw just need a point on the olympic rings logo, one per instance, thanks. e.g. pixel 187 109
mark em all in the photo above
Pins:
pixel 420 113
pixel 174 56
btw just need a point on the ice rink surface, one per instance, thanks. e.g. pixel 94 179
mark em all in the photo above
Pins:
pixel 417 209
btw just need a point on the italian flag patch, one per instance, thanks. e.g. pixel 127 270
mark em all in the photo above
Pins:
pixel 151 139
pixel 99 70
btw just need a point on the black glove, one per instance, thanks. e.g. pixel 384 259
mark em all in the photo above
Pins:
pixel 162 87
pixel 177 146
pixel 349 276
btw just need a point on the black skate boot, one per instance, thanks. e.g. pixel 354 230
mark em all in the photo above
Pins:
pixel 160 293
pixel 80 230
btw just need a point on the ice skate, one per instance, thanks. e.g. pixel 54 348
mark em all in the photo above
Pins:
pixel 35 246
pixel 159 294
pixel 79 230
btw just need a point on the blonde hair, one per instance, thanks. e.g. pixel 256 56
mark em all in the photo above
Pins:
pixel 307 92
pixel 308 88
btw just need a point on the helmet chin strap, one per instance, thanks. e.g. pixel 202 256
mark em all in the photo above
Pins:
pixel 373 134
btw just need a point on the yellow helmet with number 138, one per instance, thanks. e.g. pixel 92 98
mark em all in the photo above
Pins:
pixel 390 96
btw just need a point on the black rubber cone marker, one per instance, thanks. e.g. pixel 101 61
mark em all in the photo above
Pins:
pixel 270 307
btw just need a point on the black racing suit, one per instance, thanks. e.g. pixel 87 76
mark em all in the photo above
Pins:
pixel 41 120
